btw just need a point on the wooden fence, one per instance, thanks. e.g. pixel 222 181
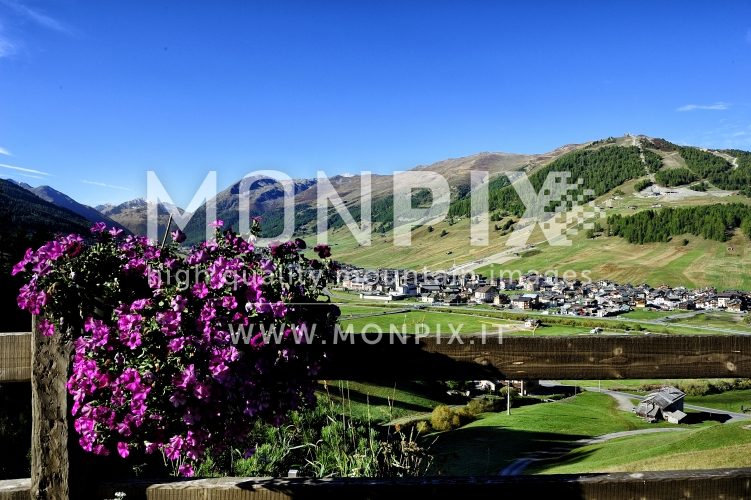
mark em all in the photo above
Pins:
pixel 60 469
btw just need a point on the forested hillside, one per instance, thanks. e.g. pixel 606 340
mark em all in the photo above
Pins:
pixel 601 169
pixel 713 222
pixel 26 221
pixel 26 209
pixel 653 160
pixel 675 177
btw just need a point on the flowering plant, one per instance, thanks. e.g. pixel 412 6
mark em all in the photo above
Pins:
pixel 181 353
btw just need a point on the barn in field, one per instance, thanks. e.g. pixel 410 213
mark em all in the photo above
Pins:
pixel 665 404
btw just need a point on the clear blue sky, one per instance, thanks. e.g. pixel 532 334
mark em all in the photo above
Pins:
pixel 104 91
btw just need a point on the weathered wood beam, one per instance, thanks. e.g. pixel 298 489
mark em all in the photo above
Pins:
pixel 15 357
pixel 574 357
pixel 49 409
pixel 729 484
pixel 582 357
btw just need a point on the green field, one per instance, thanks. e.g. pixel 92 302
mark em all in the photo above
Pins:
pixel 496 439
pixel 728 401
pixel 472 320
pixel 713 446
pixel 354 310
pixel 715 319
pixel 648 315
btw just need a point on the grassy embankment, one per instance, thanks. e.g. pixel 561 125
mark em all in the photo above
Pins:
pixel 487 445
pixel 715 446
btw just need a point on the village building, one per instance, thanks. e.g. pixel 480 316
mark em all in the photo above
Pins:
pixel 486 294
pixel 665 404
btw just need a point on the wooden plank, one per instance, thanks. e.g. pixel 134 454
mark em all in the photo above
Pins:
pixel 578 357
pixel 15 489
pixel 729 484
pixel 15 357
pixel 583 357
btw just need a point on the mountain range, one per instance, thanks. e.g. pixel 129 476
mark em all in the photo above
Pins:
pixel 267 196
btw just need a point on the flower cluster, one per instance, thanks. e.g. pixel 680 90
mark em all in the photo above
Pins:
pixel 159 361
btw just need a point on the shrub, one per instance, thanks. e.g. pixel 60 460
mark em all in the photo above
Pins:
pixel 695 387
pixel 444 233
pixel 485 405
pixel 514 392
pixel 465 416
pixel 423 427
pixel 444 418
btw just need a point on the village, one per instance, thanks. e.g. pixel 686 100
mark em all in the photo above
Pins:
pixel 532 291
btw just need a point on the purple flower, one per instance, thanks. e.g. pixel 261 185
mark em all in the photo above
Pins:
pixel 122 449
pixel 254 290
pixel 200 290
pixel 46 328
pixel 116 232
pixel 300 244
pixel 229 302
pixel 98 227
pixel 178 303
pixel 186 470
pixel 178 236
pixel 169 322
pixel 20 267
pixel 263 306
pixel 279 309
pixel 198 257
pixel 267 266
pixel 171 264
pixel 217 224
pixel 172 449
pixel 191 415
pixel 155 281
pixel 100 450
pixel 140 304
pixel 177 399
pixel 176 345
pixel 202 390
pixel 151 447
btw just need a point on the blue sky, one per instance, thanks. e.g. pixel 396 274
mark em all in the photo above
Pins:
pixel 94 94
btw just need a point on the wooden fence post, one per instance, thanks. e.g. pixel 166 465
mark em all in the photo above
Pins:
pixel 50 360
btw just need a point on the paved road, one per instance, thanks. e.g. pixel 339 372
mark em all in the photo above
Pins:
pixel 517 467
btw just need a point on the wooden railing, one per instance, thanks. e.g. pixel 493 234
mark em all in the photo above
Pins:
pixel 60 469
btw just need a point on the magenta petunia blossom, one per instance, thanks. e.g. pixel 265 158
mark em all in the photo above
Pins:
pixel 200 290
pixel 46 327
pixel 178 236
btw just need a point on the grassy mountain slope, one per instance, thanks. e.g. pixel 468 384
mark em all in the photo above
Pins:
pixel 63 200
